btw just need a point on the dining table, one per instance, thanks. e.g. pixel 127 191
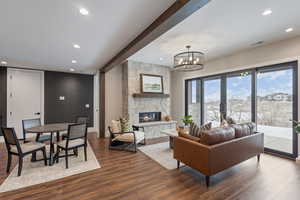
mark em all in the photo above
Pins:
pixel 55 128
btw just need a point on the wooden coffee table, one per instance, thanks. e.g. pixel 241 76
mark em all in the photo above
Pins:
pixel 171 133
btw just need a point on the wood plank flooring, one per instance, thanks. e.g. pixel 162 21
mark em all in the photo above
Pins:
pixel 131 176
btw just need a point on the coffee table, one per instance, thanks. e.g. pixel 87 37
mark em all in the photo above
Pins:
pixel 171 133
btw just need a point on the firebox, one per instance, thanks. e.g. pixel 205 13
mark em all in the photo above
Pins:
pixel 149 117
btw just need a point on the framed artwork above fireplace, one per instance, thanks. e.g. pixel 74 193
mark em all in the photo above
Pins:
pixel 151 83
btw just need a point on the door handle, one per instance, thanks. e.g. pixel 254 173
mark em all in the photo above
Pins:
pixel 38 113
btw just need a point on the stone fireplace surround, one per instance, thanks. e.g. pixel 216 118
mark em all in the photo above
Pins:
pixel 133 106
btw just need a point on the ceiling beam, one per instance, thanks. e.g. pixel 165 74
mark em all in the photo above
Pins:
pixel 175 14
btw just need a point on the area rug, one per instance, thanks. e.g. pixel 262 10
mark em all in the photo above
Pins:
pixel 161 153
pixel 36 172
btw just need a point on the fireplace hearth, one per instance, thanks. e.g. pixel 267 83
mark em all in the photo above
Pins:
pixel 149 117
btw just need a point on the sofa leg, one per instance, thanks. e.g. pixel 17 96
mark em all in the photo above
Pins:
pixel 178 164
pixel 207 179
pixel 258 157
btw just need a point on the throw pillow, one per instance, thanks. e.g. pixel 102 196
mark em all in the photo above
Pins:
pixel 116 126
pixel 125 125
pixel 197 131
pixel 224 123
pixel 187 136
pixel 230 120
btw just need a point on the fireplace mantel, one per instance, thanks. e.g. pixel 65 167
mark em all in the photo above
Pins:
pixel 150 95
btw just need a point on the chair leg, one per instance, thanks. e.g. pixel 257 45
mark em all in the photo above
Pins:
pixel 45 156
pixel 75 152
pixel 258 157
pixel 57 153
pixel 8 162
pixel 33 157
pixel 20 165
pixel 207 179
pixel 135 145
pixel 178 164
pixel 66 156
pixel 85 153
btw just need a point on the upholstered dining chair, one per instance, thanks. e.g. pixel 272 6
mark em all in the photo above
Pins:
pixel 30 123
pixel 126 141
pixel 76 137
pixel 15 148
pixel 78 120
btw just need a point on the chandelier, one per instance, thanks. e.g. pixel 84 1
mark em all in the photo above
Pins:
pixel 189 61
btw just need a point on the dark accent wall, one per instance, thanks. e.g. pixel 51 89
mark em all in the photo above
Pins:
pixel 78 90
pixel 3 96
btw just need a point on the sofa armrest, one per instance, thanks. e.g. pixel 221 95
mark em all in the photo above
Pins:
pixel 193 154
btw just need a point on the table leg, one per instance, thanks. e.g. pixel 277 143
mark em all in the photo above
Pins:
pixel 171 141
pixel 51 150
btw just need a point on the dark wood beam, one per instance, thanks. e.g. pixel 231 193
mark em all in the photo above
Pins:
pixel 102 104
pixel 179 11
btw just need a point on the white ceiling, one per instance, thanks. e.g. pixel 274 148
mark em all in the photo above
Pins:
pixel 41 34
pixel 225 27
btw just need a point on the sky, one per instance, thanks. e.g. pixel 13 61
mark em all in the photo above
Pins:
pixel 240 87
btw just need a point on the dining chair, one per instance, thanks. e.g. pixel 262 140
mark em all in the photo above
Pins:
pixel 78 120
pixel 82 119
pixel 14 147
pixel 30 123
pixel 76 137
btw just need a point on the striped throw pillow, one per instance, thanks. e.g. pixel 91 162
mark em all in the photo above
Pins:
pixel 197 131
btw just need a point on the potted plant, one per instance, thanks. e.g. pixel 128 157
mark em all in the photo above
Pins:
pixel 187 120
pixel 297 129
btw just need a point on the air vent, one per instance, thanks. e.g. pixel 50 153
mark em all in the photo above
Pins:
pixel 257 43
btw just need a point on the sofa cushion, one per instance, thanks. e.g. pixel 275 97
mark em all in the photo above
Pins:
pixel 217 135
pixel 184 134
pixel 242 130
pixel 196 131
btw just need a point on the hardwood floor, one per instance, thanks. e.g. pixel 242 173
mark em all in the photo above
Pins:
pixel 131 176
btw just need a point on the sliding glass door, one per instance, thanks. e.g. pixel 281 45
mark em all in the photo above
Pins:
pixel 212 100
pixel 275 108
pixel 267 96
pixel 239 91
pixel 194 100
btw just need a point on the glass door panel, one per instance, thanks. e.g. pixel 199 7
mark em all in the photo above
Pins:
pixel 212 101
pixel 239 97
pixel 194 100
pixel 275 109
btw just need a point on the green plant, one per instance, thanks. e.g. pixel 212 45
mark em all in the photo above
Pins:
pixel 297 126
pixel 187 120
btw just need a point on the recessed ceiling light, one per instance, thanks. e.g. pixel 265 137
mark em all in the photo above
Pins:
pixel 76 46
pixel 72 70
pixel 160 59
pixel 289 30
pixel 267 12
pixel 74 61
pixel 83 11
pixel 3 62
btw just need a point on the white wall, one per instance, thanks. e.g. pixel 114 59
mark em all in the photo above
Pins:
pixel 283 51
pixel 113 95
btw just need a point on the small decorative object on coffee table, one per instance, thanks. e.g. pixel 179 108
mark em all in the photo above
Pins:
pixel 171 133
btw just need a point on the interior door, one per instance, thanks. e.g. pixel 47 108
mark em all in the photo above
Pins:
pixel 24 97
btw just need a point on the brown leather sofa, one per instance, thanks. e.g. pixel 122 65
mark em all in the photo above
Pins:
pixel 212 159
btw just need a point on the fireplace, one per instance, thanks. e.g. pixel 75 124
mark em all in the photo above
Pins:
pixel 149 117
